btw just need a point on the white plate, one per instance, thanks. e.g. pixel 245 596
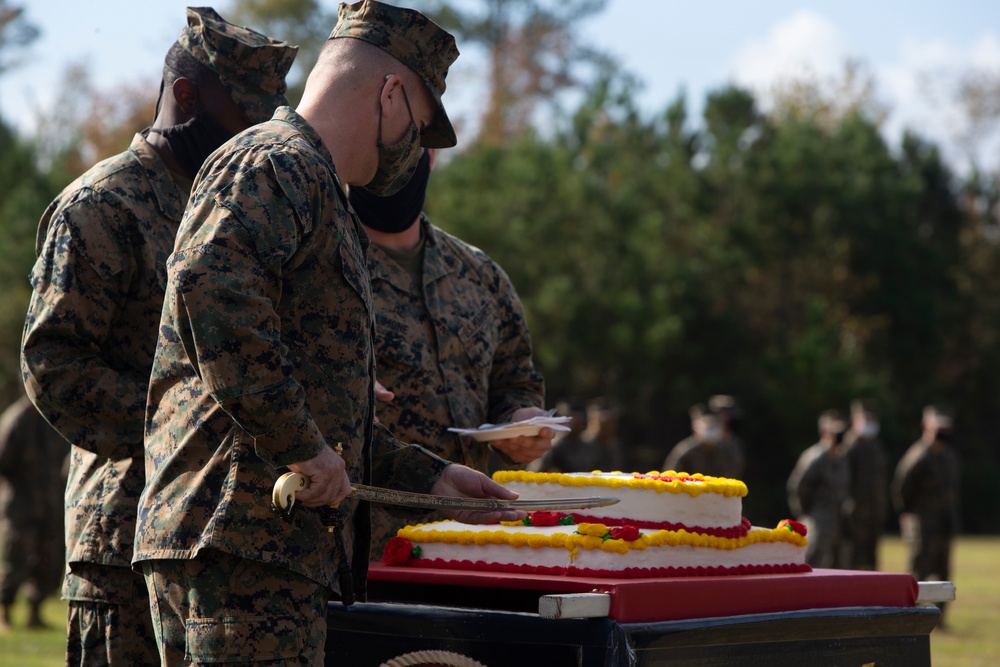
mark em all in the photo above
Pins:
pixel 512 431
pixel 528 427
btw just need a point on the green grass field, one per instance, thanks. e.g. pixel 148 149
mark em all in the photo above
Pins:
pixel 971 639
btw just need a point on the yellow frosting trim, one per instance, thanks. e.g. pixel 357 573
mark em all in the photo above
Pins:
pixel 592 538
pixel 705 484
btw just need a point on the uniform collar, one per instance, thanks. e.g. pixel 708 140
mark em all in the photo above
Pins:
pixel 436 262
pixel 290 116
pixel 170 199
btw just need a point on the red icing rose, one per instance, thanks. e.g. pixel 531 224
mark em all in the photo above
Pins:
pixel 544 519
pixel 397 551
pixel 627 533
pixel 793 525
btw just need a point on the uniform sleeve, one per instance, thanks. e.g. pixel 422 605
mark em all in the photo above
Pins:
pixel 802 484
pixel 514 382
pixel 224 284
pixel 80 281
pixel 904 481
pixel 397 465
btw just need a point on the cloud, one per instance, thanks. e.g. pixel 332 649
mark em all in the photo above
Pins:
pixel 805 44
pixel 922 84
pixel 916 82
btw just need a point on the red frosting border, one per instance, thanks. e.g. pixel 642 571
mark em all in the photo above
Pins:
pixel 732 532
pixel 627 573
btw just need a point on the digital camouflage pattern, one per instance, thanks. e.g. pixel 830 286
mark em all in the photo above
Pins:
pixel 33 459
pixel 250 65
pixel 99 633
pixel 454 349
pixel 266 356
pixel 718 459
pixel 925 491
pixel 90 333
pixel 817 489
pixel 412 39
pixel 88 345
pixel 260 622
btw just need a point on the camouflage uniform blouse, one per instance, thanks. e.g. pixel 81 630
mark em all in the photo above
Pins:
pixel 90 333
pixel 455 351
pixel 720 459
pixel 265 356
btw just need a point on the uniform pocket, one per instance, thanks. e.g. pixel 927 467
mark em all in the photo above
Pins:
pixel 242 639
pixel 478 336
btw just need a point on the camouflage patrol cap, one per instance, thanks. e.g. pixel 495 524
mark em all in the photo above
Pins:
pixel 725 403
pixel 698 410
pixel 938 416
pixel 412 39
pixel 832 421
pixel 250 65
pixel 862 406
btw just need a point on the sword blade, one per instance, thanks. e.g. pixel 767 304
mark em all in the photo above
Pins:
pixel 384 496
pixel 283 497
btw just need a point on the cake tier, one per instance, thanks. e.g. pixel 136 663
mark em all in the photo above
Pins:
pixel 669 501
pixel 595 550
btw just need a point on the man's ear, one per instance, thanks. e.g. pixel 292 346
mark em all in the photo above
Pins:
pixel 185 95
pixel 391 92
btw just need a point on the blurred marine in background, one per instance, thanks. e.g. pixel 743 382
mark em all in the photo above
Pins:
pixel 817 489
pixel 33 461
pixel 925 493
pixel 865 508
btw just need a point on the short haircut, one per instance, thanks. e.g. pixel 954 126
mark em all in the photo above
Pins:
pixel 361 59
pixel 179 64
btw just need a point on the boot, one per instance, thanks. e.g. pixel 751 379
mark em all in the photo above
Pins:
pixel 5 618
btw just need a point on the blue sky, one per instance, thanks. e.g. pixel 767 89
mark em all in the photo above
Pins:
pixel 914 50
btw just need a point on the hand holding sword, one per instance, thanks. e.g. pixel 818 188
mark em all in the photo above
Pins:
pixel 462 493
pixel 327 474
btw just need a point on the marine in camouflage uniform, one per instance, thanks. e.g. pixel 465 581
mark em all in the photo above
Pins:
pixel 817 489
pixel 266 359
pixel 91 328
pixel 33 472
pixel 865 510
pixel 451 343
pixel 594 447
pixel 707 450
pixel 925 491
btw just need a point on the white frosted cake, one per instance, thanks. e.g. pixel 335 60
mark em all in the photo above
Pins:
pixel 667 524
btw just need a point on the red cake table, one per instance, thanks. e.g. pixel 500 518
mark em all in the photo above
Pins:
pixel 645 600
pixel 824 617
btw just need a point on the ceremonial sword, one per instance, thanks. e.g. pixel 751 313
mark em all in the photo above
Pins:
pixel 291 483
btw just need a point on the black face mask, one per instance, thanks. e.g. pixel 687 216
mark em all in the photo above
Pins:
pixel 943 436
pixel 395 213
pixel 193 141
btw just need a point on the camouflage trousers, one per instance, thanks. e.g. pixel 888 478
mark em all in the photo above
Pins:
pixel 222 608
pixel 108 620
pixel 929 552
pixel 862 545
pixel 824 538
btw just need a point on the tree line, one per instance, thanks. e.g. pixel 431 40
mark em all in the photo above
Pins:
pixel 793 263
